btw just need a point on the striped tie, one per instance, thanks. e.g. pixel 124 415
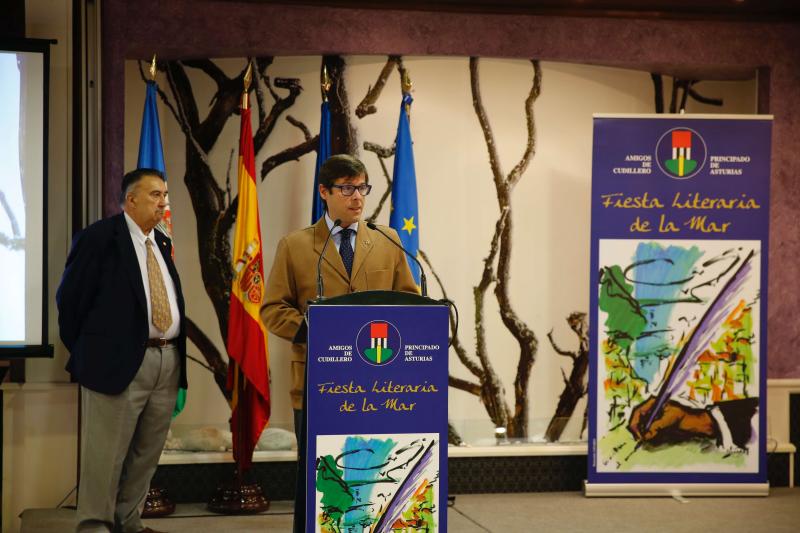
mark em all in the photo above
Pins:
pixel 159 302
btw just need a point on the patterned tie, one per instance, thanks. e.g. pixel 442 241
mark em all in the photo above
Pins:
pixel 346 250
pixel 159 302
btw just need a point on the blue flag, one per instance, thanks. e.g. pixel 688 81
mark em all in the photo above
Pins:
pixel 151 155
pixel 405 215
pixel 323 153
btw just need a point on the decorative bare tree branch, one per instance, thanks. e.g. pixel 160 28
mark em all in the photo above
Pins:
pixel 343 133
pixel 210 353
pixel 215 210
pixel 493 392
pixel 680 86
pixel 383 153
pixel 263 80
pixel 461 352
pixel 703 99
pixel 293 153
pixel 463 384
pixel 574 386
pixel 299 125
pixel 278 108
pixel 489 388
pixel 658 91
pixel 367 105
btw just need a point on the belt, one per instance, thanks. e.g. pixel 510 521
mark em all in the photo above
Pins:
pixel 159 343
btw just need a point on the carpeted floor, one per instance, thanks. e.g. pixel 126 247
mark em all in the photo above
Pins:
pixel 506 513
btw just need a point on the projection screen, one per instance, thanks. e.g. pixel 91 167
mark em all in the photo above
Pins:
pixel 24 66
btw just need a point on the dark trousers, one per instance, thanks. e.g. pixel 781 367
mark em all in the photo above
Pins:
pixel 300 488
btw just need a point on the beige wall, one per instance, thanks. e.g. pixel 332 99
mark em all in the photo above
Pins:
pixel 549 272
pixel 39 448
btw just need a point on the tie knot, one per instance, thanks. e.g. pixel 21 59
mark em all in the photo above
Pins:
pixel 346 232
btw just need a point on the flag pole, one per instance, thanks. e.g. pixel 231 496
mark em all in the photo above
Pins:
pixel 407 86
pixel 248 77
pixel 325 83
pixel 153 68
pixel 157 502
pixel 240 378
pixel 236 496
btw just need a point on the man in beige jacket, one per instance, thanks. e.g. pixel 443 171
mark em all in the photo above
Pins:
pixel 375 263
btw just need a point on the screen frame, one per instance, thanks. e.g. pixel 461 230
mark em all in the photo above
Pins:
pixel 42 46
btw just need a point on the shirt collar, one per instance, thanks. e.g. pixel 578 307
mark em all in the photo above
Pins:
pixel 136 231
pixel 329 222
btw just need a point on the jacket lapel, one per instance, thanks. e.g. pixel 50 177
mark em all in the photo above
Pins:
pixel 331 256
pixel 128 254
pixel 364 246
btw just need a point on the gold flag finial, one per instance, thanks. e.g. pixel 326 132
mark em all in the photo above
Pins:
pixel 325 83
pixel 248 77
pixel 406 82
pixel 153 68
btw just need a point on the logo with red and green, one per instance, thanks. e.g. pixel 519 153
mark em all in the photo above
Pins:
pixel 378 342
pixel 681 153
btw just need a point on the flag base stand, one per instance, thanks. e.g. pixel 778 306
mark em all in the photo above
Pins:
pixel 237 497
pixel 157 504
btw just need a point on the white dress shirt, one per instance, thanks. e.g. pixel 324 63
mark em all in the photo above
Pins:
pixel 337 238
pixel 139 245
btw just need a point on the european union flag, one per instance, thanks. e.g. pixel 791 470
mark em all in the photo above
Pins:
pixel 323 153
pixel 405 215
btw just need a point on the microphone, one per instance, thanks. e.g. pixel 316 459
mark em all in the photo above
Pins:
pixel 336 223
pixel 423 281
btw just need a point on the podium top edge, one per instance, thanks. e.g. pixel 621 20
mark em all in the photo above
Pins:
pixel 703 116
pixel 385 298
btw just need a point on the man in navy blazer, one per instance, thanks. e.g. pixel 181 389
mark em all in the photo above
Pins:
pixel 121 316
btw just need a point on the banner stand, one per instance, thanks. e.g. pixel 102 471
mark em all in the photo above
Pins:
pixel 673 490
pixel 678 305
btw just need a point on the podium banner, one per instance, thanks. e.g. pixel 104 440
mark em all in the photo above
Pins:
pixel 377 418
pixel 679 248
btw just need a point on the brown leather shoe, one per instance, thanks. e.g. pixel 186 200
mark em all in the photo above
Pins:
pixel 149 530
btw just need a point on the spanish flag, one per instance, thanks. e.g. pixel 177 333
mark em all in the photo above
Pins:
pixel 248 368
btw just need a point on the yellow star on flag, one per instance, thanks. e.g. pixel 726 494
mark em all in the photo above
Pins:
pixel 408 225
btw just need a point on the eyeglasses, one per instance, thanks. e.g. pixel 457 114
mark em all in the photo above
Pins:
pixel 348 190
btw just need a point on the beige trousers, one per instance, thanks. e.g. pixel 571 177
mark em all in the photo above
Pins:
pixel 122 437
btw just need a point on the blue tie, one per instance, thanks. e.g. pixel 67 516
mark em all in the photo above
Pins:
pixel 346 250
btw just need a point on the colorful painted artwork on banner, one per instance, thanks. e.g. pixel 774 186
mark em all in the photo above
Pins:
pixel 391 481
pixel 377 419
pixel 678 329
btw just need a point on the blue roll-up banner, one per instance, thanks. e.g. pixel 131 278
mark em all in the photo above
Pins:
pixel 678 336
pixel 377 418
